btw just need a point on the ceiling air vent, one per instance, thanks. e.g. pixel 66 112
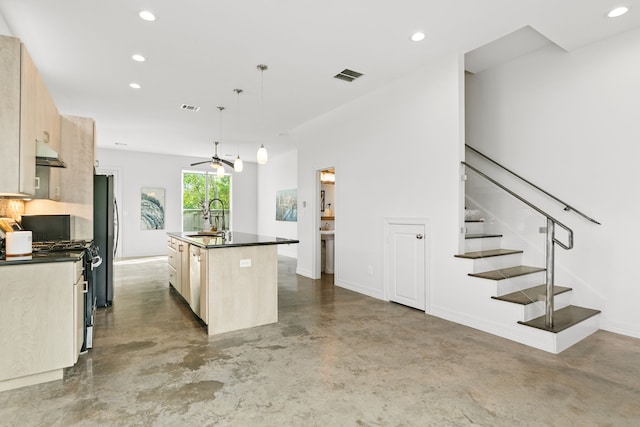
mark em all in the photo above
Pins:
pixel 348 75
pixel 189 107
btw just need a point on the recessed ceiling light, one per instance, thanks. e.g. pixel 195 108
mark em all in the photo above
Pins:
pixel 134 86
pixel 139 58
pixel 417 36
pixel 147 16
pixel 618 11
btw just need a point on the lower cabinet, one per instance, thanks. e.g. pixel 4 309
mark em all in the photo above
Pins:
pixel 188 273
pixel 41 320
pixel 178 258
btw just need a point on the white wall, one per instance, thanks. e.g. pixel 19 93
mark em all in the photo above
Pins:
pixel 4 28
pixel 137 170
pixel 569 123
pixel 396 152
pixel 280 173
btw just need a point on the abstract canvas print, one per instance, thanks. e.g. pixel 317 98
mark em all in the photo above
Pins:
pixel 151 208
pixel 287 205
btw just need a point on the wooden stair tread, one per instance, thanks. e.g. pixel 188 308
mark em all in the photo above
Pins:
pixel 480 236
pixel 506 273
pixel 530 295
pixel 488 253
pixel 563 318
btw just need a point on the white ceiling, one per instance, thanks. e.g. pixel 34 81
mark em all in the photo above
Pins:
pixel 198 51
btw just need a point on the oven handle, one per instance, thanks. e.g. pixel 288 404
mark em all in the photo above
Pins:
pixel 96 261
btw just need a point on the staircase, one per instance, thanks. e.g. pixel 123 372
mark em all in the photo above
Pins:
pixel 517 295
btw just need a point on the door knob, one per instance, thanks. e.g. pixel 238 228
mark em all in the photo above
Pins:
pixel 419 236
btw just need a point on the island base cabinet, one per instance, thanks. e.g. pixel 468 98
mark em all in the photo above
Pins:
pixel 38 322
pixel 242 287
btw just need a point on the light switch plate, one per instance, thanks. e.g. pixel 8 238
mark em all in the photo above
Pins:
pixel 245 263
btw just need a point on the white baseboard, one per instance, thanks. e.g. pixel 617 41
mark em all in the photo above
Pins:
pixel 373 293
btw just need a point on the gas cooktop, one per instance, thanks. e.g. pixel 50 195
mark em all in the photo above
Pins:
pixel 61 245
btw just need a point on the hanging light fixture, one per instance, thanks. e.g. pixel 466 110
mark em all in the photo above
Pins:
pixel 216 162
pixel 262 152
pixel 218 166
pixel 237 164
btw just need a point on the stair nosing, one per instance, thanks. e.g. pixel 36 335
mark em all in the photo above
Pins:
pixel 559 326
pixel 558 290
pixel 483 274
pixel 481 236
pixel 471 255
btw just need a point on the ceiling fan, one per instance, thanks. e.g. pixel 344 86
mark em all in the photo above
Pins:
pixel 216 162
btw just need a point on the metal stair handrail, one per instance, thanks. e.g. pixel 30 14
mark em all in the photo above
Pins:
pixel 551 241
pixel 567 207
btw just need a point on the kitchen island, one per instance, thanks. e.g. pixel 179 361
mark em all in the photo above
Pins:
pixel 230 284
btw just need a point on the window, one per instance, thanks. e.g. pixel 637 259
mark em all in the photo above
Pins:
pixel 205 189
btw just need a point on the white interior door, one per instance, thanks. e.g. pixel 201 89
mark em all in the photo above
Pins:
pixel 406 265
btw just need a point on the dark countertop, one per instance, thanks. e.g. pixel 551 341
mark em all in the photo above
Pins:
pixel 237 239
pixel 39 257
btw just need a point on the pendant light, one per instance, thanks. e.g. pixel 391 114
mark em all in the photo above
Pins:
pixel 237 164
pixel 262 152
pixel 220 168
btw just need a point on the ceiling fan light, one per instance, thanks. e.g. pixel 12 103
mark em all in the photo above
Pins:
pixel 238 165
pixel 262 155
pixel 220 171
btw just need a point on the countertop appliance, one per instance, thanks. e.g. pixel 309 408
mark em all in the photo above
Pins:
pixel 51 227
pixel 18 243
pixel 104 236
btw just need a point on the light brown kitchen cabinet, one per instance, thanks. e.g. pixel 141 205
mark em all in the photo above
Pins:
pixel 178 254
pixel 18 117
pixel 41 321
pixel 27 114
pixel 77 149
pixel 48 132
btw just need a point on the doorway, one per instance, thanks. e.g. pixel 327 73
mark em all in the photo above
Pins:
pixel 327 221
pixel 406 262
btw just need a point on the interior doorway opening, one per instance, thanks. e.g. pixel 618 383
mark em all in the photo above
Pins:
pixel 327 226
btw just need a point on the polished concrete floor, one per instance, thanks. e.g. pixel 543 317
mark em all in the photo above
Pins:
pixel 335 358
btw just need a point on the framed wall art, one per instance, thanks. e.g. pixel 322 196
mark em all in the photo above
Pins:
pixel 151 208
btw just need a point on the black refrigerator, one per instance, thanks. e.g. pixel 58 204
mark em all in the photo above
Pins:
pixel 104 237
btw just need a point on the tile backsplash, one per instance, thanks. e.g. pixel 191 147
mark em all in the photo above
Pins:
pixel 11 208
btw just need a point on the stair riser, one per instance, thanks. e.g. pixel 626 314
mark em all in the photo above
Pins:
pixel 531 311
pixel 576 333
pixel 496 262
pixel 512 284
pixel 484 244
pixel 474 227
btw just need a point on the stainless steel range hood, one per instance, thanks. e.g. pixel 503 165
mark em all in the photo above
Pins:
pixel 47 156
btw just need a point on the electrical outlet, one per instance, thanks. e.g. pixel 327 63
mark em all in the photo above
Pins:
pixel 245 263
pixel 370 270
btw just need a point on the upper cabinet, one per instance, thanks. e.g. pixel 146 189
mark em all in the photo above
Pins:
pixel 27 114
pixel 17 159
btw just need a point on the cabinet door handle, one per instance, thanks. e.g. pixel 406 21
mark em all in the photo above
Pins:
pixel 181 248
pixel 37 183
pixel 86 287
pixel 419 236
